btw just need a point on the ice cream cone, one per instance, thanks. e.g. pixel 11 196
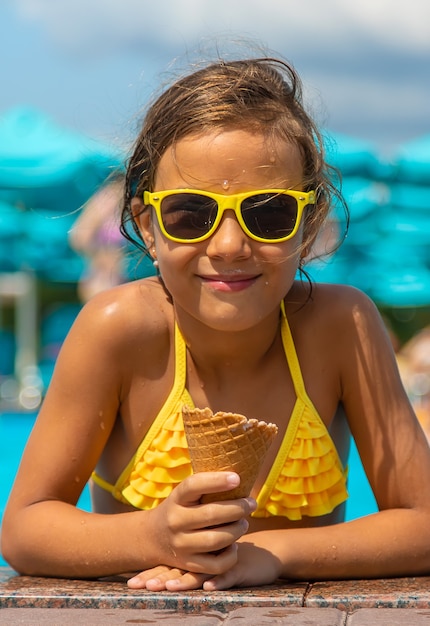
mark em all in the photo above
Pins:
pixel 227 442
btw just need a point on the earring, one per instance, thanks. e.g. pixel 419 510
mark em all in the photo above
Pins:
pixel 154 258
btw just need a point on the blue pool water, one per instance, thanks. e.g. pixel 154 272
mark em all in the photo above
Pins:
pixel 15 428
pixel 14 431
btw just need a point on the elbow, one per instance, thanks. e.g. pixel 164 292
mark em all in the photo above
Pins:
pixel 7 548
pixel 11 548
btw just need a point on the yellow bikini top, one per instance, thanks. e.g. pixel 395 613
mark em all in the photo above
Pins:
pixel 306 478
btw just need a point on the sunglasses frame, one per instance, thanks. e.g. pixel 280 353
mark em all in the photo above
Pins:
pixel 229 202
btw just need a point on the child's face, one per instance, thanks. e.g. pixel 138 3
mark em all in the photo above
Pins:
pixel 228 281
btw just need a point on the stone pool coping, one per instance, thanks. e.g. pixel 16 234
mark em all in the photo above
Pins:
pixel 352 603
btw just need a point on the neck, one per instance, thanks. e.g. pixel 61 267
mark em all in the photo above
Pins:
pixel 213 350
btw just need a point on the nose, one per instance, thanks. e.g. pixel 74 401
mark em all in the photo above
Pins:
pixel 229 241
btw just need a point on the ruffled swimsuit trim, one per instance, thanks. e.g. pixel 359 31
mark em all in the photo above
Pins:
pixel 306 478
pixel 162 460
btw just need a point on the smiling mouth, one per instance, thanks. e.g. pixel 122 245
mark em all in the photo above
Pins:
pixel 230 282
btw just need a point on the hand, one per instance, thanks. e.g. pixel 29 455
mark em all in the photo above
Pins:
pixel 198 537
pixel 255 566
pixel 163 578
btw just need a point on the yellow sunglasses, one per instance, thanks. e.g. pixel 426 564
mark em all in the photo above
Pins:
pixel 266 215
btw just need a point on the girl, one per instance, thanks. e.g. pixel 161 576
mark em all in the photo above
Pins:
pixel 227 190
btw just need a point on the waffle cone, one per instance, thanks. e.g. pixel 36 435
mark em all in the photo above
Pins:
pixel 227 442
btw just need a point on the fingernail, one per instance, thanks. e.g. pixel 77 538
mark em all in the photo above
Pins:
pixel 252 504
pixel 209 585
pixel 233 479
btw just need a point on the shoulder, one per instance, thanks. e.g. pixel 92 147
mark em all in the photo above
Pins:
pixel 145 296
pixel 330 303
pixel 337 320
pixel 355 336
pixel 130 312
pixel 343 300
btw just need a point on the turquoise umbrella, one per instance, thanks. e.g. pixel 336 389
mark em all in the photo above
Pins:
pixel 353 156
pixel 413 161
pixel 46 174
pixel 43 165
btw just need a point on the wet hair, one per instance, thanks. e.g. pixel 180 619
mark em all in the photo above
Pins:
pixel 261 95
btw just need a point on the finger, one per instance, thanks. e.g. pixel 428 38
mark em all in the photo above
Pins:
pixel 230 510
pixel 214 514
pixel 161 582
pixel 187 581
pixel 193 488
pixel 226 580
pixel 190 548
pixel 220 583
pixel 214 563
pixel 154 573
pixel 217 538
pixel 227 511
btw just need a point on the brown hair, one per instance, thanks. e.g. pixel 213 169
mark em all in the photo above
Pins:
pixel 263 95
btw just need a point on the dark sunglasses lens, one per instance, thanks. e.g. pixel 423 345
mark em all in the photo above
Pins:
pixel 188 215
pixel 270 216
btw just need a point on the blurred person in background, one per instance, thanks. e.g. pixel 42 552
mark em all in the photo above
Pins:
pixel 96 236
pixel 414 365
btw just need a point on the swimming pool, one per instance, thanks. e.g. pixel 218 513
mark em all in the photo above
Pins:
pixel 14 431
pixel 15 428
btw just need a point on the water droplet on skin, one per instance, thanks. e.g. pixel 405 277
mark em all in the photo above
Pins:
pixel 225 184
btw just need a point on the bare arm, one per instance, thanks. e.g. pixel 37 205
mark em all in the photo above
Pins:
pixel 43 532
pixel 53 538
pixel 394 541
pixel 396 458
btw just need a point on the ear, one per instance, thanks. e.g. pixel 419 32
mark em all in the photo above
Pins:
pixel 143 219
pixel 309 240
pixel 306 251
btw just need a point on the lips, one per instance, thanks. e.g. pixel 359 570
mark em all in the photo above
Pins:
pixel 229 282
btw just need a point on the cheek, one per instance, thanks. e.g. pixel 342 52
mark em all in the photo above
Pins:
pixel 281 264
pixel 287 252
pixel 173 258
